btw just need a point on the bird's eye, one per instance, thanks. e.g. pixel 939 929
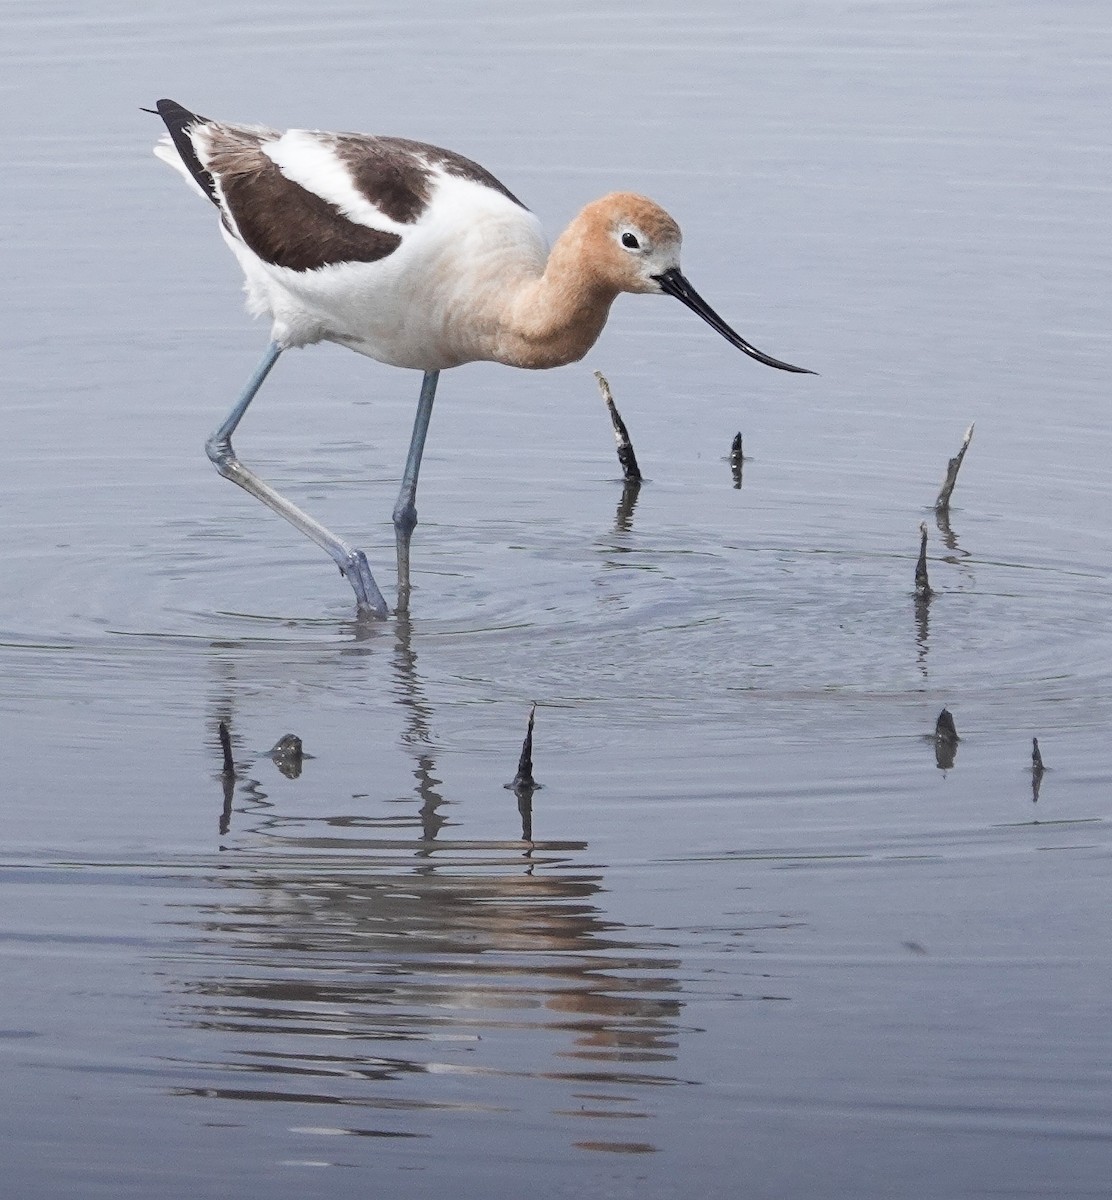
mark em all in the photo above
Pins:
pixel 629 240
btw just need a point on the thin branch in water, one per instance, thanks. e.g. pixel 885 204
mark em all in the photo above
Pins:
pixel 737 459
pixel 945 740
pixel 922 584
pixel 942 504
pixel 944 728
pixel 1037 770
pixel 524 777
pixel 288 755
pixel 628 460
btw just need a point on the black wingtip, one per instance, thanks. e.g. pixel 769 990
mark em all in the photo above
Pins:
pixel 179 120
pixel 172 111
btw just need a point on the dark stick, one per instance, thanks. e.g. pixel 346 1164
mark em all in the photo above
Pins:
pixel 288 755
pixel 524 777
pixel 922 584
pixel 737 459
pixel 1036 757
pixel 944 728
pixel 952 468
pixel 626 457
pixel 945 740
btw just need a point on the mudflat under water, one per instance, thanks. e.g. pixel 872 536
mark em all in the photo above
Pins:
pixel 755 935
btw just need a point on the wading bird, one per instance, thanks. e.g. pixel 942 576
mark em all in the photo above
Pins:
pixel 417 257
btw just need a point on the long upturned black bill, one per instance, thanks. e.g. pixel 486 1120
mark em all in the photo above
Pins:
pixel 673 283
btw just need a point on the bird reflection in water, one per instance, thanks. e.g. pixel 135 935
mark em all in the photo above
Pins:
pixel 389 972
pixel 397 988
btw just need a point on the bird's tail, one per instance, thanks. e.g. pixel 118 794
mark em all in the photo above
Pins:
pixel 177 147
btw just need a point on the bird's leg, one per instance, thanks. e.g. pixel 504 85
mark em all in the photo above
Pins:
pixel 405 511
pixel 352 563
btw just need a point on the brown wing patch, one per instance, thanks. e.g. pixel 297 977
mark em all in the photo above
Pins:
pixel 396 176
pixel 279 220
pixel 387 173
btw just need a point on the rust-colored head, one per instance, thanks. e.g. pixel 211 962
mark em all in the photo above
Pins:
pixel 628 241
pixel 630 244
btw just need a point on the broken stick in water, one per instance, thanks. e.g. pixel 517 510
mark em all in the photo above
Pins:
pixel 737 459
pixel 922 584
pixel 1037 770
pixel 524 785
pixel 952 468
pixel 288 755
pixel 626 457
pixel 945 740
pixel 524 777
pixel 944 728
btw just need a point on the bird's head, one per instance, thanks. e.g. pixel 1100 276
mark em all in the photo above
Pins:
pixel 635 247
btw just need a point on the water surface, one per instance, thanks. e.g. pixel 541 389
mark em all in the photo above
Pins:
pixel 754 932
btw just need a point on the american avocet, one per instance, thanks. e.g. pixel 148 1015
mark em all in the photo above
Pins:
pixel 417 257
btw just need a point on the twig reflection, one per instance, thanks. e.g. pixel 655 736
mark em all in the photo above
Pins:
pixel 623 518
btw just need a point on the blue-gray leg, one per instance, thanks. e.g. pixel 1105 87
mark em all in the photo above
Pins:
pixel 352 563
pixel 405 511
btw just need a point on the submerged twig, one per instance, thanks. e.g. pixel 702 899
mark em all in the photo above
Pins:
pixel 737 459
pixel 922 583
pixel 288 755
pixel 952 468
pixel 524 777
pixel 945 740
pixel 1037 770
pixel 628 460
pixel 944 728
pixel 524 785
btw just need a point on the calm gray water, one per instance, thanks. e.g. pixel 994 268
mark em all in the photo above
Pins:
pixel 759 942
